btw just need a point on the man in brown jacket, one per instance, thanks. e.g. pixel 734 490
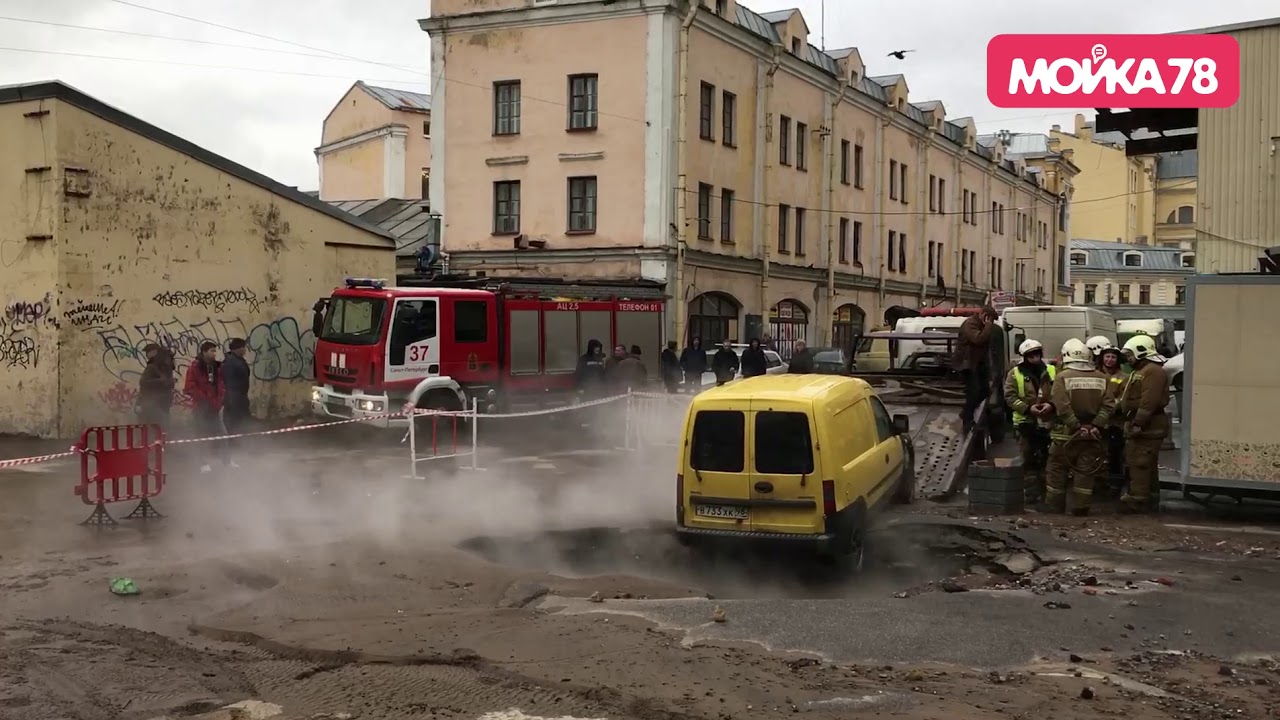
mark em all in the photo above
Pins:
pixel 1146 423
pixel 1083 406
pixel 972 360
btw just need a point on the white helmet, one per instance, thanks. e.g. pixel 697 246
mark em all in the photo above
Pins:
pixel 1097 344
pixel 1142 347
pixel 1030 346
pixel 1075 351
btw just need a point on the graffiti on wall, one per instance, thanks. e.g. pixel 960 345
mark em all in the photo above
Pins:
pixel 210 300
pixel 122 398
pixel 91 315
pixel 31 313
pixel 18 347
pixel 281 350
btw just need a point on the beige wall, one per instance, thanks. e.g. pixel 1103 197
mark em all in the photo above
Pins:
pixel 30 233
pixel 1171 195
pixel 1163 289
pixel 355 172
pixel 1113 192
pixel 544 155
pixel 356 112
pixel 358 171
pixel 167 249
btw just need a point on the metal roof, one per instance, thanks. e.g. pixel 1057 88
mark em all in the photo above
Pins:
pixel 399 99
pixel 756 24
pixel 1185 164
pixel 887 80
pixel 1233 27
pixel 953 132
pixel 57 90
pixel 822 60
pixel 1109 256
pixel 778 16
pixel 408 221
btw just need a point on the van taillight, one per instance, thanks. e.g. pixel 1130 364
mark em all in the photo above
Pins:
pixel 680 498
pixel 828 497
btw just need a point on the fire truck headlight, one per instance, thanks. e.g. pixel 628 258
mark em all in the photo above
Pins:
pixel 315 394
pixel 371 406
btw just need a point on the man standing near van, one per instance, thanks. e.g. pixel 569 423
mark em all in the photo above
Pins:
pixel 725 363
pixel 694 363
pixel 754 362
pixel 671 373
pixel 973 360
pixel 1027 389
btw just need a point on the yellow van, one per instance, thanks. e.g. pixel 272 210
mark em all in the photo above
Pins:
pixel 803 458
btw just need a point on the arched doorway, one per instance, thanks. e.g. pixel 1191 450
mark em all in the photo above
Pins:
pixel 788 322
pixel 713 316
pixel 848 320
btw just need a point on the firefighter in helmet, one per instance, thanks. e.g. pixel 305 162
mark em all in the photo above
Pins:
pixel 1096 345
pixel 1027 387
pixel 1113 366
pixel 1082 406
pixel 1145 423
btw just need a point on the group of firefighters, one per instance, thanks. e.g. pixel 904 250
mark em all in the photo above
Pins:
pixel 1094 422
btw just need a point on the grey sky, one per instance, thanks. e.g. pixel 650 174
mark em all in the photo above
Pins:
pixel 270 121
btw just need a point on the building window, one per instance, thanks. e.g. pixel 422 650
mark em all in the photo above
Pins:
pixel 999 273
pixel 902 253
pixel 843 242
pixel 942 195
pixel 506 107
pixel 1188 260
pixel 902 181
pixel 706 109
pixel 844 161
pixel 933 271
pixel 784 140
pixel 933 193
pixel 704 211
pixel 1144 294
pixel 1062 265
pixel 802 142
pixel 584 102
pixel 506 207
pixel 973 263
pixel 893 179
pixel 857 166
pixel 1180 295
pixel 1079 258
pixel 995 218
pixel 1000 218
pixel 582 204
pixel 857 242
pixel 795 46
pixel 426 183
pixel 722 7
pixel 729 119
pixel 1124 294
pixel 1062 214
pixel 1133 259
pixel 1185 215
pixel 892 253
pixel 964 265
pixel 726 215
pixel 426 128
pixel 784 214
pixel 800 228
pixel 1090 293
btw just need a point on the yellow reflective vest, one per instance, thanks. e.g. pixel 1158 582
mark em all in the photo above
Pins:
pixel 1021 380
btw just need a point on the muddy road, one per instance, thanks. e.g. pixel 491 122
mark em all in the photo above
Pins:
pixel 321 581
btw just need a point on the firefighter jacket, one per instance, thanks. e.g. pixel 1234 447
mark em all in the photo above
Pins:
pixel 1080 398
pixel 1144 400
pixel 1116 383
pixel 1028 385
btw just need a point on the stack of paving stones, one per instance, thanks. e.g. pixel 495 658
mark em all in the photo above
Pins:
pixel 996 487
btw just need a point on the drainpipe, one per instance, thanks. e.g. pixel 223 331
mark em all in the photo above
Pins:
pixel 922 221
pixel 957 229
pixel 832 220
pixel 878 221
pixel 769 157
pixel 682 179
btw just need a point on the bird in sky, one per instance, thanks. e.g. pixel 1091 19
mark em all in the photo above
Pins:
pixel 900 54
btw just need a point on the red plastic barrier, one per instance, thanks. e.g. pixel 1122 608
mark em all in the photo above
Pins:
pixel 121 463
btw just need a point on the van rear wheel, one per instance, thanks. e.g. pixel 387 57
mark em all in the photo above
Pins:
pixel 848 552
pixel 905 493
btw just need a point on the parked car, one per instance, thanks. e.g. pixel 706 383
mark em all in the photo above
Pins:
pixel 831 361
pixel 776 365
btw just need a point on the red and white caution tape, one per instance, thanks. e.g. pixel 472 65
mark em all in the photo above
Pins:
pixel 14 462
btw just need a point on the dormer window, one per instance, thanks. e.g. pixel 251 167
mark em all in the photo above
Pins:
pixel 1187 260
pixel 1133 259
pixel 721 7
pixel 1079 258
pixel 795 46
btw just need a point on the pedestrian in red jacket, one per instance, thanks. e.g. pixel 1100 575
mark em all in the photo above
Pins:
pixel 205 388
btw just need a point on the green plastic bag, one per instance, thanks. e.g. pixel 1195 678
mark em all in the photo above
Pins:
pixel 123 586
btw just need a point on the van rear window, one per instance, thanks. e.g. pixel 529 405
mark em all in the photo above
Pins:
pixel 719 439
pixel 783 444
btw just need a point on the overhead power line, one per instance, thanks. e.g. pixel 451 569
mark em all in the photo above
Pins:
pixel 262 36
pixel 155 36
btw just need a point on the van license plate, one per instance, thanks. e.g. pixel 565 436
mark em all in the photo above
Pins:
pixel 721 511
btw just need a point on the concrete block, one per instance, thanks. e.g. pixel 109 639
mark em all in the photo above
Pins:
pixel 980 509
pixel 995 497
pixel 997 468
pixel 1001 485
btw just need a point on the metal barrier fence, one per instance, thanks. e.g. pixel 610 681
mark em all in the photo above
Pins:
pixel 121 463
pixel 434 435
pixel 655 420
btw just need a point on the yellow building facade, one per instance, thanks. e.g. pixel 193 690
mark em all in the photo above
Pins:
pixel 376 144
pixel 774 188
pixel 115 234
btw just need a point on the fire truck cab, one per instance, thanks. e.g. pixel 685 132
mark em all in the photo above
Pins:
pixel 444 346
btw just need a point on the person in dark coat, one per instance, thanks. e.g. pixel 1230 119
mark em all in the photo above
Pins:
pixel 694 363
pixel 671 372
pixel 754 361
pixel 589 376
pixel 625 371
pixel 155 387
pixel 801 359
pixel 972 360
pixel 235 376
pixel 725 363
pixel 205 386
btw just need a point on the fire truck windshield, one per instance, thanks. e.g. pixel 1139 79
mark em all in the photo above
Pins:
pixel 354 320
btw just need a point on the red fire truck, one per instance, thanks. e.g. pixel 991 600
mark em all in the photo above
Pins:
pixel 448 342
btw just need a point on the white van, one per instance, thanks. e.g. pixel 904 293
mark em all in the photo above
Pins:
pixel 1054 325
pixel 940 324
pixel 1158 329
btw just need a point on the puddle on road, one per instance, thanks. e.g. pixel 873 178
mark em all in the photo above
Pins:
pixel 899 555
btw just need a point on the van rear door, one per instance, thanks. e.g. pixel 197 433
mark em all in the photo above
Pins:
pixel 716 481
pixel 785 484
